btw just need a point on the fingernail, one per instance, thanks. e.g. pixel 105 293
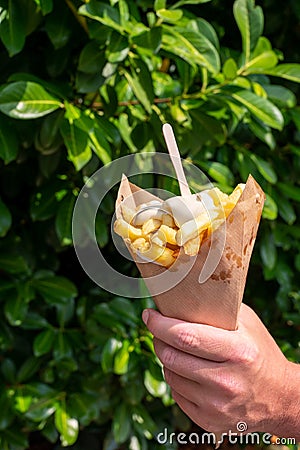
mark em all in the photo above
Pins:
pixel 145 316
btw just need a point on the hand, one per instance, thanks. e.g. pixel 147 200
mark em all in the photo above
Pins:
pixel 220 377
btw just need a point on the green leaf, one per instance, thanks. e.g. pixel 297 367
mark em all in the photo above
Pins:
pixel 121 424
pixel 265 168
pixel 285 209
pixel 157 388
pixel 270 210
pixel 101 231
pixel 63 220
pixel 141 84
pixel 150 39
pixel 28 368
pixel 12 28
pixel 281 96
pixel 43 342
pixel 6 411
pixel 121 359
pixel 192 46
pixel 230 69
pixel 67 426
pixel 77 143
pixel 208 128
pixel 188 2
pixel 108 353
pixel 92 58
pixel 15 310
pixel 289 190
pixel 27 100
pixel 8 369
pixel 22 400
pixel 44 203
pixel 168 15
pixel 58 27
pixel 9 145
pixel 117 48
pixel 287 71
pixel 263 132
pixel 104 14
pixel 219 172
pixel 250 21
pixel 62 349
pixel 261 108
pixel 45 5
pixel 5 219
pixel 13 263
pixel 55 289
pixel 268 251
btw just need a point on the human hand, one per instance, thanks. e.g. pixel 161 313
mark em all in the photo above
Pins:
pixel 221 377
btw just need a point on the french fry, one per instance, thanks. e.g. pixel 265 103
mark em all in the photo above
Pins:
pixel 168 220
pixel 192 246
pixel 150 226
pixel 154 235
pixel 140 245
pixel 125 230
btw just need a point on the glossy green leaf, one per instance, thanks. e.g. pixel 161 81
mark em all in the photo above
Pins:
pixel 208 128
pixel 62 350
pixel 5 219
pixel 67 426
pixel 157 388
pixel 141 84
pixel 287 71
pixel 9 145
pixel 108 353
pixel 263 132
pixel 285 209
pixel 27 100
pixel 63 220
pixel 206 29
pixel 189 2
pixel 265 60
pixel 15 310
pixel 45 5
pixel 22 400
pixel 102 13
pixel 268 251
pixel 92 58
pixel 191 46
pixel 117 48
pixel 168 15
pixel 13 263
pixel 150 39
pixel 43 342
pixel 270 210
pixel 218 172
pixel 265 168
pixel 261 108
pixel 121 425
pixel 12 28
pixel 55 289
pixel 230 69
pixel 291 191
pixel 250 21
pixel 77 143
pixel 281 96
pixel 121 359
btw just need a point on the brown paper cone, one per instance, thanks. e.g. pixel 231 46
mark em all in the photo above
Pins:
pixel 217 299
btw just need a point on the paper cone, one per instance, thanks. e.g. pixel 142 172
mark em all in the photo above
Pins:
pixel 216 300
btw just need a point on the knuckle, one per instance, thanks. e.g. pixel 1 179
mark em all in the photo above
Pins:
pixel 249 356
pixel 186 340
pixel 168 356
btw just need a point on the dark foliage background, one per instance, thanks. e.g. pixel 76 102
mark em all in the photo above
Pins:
pixel 81 84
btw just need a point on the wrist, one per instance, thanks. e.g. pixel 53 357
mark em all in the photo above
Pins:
pixel 287 420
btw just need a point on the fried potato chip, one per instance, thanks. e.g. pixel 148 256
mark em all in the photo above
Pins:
pixel 150 226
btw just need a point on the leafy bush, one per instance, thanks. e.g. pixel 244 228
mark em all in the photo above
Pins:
pixel 84 83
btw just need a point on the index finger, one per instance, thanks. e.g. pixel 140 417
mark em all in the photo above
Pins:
pixel 201 340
